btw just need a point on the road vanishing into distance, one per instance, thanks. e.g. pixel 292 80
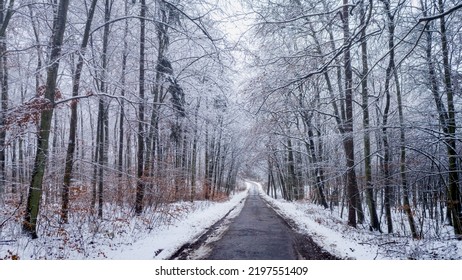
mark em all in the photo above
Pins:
pixel 257 233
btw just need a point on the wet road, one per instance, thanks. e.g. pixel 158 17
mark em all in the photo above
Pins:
pixel 258 233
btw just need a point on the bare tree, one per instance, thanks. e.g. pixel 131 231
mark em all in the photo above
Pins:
pixel 454 203
pixel 35 188
pixel 365 18
pixel 140 185
pixel 73 121
pixel 5 16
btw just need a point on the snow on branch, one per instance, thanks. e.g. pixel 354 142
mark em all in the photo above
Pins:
pixel 453 9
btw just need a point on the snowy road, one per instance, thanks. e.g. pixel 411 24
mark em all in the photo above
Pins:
pixel 256 233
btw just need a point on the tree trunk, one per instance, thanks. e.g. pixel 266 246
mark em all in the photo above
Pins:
pixel 194 153
pixel 140 183
pixel 94 179
pixel 5 16
pixel 291 176
pixel 344 116
pixel 157 91
pixel 318 170
pixel 454 203
pixel 120 154
pixel 4 107
pixel 440 107
pixel 100 157
pixel 375 224
pixel 73 122
pixel 103 120
pixel 348 144
pixel 391 70
pixel 209 151
pixel 35 188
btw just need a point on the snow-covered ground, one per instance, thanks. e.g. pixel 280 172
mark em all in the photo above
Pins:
pixel 159 233
pixel 334 235
pixel 164 242
pixel 154 235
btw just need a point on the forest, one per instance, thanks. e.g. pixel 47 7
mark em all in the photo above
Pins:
pixel 120 110
pixel 362 100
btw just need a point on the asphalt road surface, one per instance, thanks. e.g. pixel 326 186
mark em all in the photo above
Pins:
pixel 257 233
